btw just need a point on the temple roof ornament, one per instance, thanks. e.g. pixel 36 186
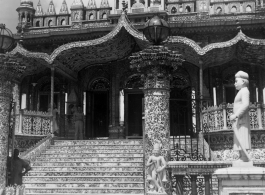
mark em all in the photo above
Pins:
pixel 77 4
pixel 104 3
pixel 125 34
pixel 51 9
pixel 39 10
pixel 64 8
pixel 91 4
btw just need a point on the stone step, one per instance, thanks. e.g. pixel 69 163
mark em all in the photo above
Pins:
pixel 96 151
pixel 74 179
pixel 98 142
pixel 75 163
pixel 74 194
pixel 85 185
pixel 95 147
pixel 85 173
pixel 99 168
pixel 96 159
pixel 85 190
pixel 84 155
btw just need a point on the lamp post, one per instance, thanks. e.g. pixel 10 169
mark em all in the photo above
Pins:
pixel 6 38
pixel 10 70
pixel 156 64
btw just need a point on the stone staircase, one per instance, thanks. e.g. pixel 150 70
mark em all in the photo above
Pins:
pixel 88 167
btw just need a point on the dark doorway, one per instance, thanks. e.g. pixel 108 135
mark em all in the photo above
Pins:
pixel 180 112
pixel 44 103
pixel 100 115
pixel 45 100
pixel 134 114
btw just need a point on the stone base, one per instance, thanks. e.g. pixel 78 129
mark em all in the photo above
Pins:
pixel 241 179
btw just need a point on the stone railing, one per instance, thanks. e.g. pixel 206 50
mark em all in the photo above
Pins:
pixel 216 118
pixel 13 190
pixel 196 177
pixel 36 150
pixel 34 123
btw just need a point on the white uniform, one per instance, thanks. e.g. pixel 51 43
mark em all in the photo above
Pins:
pixel 241 110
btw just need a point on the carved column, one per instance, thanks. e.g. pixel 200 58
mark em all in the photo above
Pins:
pixel 156 63
pixel 16 99
pixel 52 96
pixel 9 70
pixel 201 79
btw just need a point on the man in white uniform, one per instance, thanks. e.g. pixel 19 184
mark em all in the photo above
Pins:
pixel 240 116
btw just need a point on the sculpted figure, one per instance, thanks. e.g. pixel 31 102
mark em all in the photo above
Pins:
pixel 240 117
pixel 78 118
pixel 156 165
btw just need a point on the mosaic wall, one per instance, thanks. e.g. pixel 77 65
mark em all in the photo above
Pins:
pixel 5 98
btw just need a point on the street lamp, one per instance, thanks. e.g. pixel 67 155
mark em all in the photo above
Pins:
pixel 6 38
pixel 156 30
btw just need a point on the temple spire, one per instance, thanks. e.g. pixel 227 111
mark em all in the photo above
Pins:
pixel 104 3
pixel 51 9
pixel 39 10
pixel 91 4
pixel 77 4
pixel 64 8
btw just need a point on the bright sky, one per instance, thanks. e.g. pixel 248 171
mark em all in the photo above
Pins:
pixel 9 15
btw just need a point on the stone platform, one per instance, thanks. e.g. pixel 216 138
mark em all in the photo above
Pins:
pixel 241 179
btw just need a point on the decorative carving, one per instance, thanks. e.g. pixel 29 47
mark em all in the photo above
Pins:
pixel 23 142
pixel 100 84
pixel 36 123
pixel 156 172
pixel 213 119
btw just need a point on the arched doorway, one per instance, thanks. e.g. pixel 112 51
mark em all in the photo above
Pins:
pixel 97 109
pixel 134 97
pixel 180 104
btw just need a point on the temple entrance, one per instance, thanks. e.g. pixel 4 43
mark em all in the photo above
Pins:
pixel 97 116
pixel 133 113
pixel 180 106
pixel 45 99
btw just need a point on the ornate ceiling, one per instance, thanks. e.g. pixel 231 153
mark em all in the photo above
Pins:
pixel 71 58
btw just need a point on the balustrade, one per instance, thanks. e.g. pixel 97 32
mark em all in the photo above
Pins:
pixel 34 123
pixel 216 118
pixel 196 177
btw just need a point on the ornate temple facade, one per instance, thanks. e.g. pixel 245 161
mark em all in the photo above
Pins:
pixel 79 56
pixel 86 47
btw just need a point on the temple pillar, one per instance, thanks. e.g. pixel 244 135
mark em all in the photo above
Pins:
pixel 16 99
pixel 5 100
pixel 62 112
pixel 156 64
pixel 201 79
pixel 9 71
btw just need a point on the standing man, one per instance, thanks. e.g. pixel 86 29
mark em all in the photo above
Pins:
pixel 17 168
pixel 240 117
pixel 78 118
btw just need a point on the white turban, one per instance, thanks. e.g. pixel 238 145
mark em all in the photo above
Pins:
pixel 242 75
